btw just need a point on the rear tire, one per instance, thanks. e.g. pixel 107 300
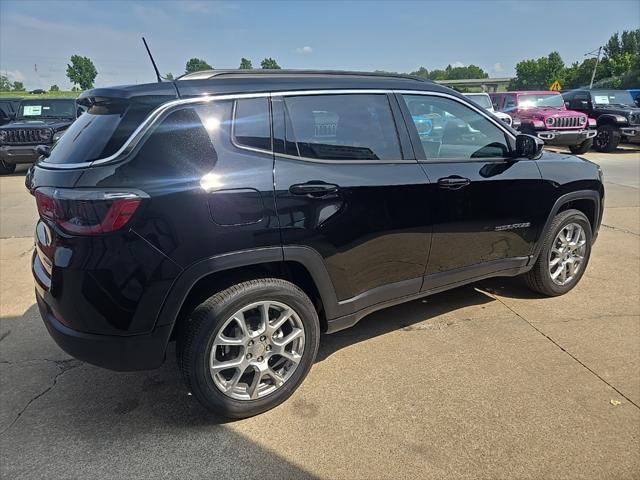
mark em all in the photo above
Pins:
pixel 554 249
pixel 607 139
pixel 229 329
pixel 7 168
pixel 581 148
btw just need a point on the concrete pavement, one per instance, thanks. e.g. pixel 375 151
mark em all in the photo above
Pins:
pixel 486 381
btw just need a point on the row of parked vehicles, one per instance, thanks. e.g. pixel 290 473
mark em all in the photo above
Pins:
pixel 578 119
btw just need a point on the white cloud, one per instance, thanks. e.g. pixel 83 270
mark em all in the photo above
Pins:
pixel 304 50
pixel 458 64
pixel 13 75
pixel 497 67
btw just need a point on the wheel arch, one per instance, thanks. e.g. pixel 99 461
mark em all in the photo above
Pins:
pixel 301 266
pixel 607 119
pixel 587 201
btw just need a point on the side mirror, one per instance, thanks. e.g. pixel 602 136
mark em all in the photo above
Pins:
pixel 567 104
pixel 43 151
pixel 528 146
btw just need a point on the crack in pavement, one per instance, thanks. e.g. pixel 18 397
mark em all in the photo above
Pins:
pixel 563 349
pixel 5 335
pixel 64 366
pixel 623 230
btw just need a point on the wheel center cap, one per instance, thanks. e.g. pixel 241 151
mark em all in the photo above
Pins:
pixel 257 349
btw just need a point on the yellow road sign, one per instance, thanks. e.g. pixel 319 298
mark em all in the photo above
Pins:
pixel 555 86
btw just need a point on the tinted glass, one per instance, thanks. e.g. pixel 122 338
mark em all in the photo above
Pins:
pixel 98 133
pixel 342 127
pixel 34 109
pixel 182 145
pixel 450 130
pixel 251 123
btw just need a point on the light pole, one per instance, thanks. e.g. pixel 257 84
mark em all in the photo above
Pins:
pixel 593 75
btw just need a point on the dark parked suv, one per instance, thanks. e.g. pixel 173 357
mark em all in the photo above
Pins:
pixel 37 122
pixel 242 214
pixel 615 111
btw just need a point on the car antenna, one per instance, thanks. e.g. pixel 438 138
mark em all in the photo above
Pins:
pixel 153 62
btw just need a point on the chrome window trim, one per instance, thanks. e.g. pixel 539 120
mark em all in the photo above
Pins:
pixel 159 113
pixel 233 130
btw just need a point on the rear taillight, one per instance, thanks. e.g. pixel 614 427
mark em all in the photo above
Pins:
pixel 87 212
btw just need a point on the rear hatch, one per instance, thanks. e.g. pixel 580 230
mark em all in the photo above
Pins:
pixel 69 210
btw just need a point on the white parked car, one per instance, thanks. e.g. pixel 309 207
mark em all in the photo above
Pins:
pixel 484 100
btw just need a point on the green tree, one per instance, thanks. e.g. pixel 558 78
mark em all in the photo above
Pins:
pixel 75 89
pixel 18 87
pixel 270 63
pixel 168 76
pixel 5 84
pixel 621 61
pixel 245 64
pixel 197 65
pixel 54 88
pixel 538 74
pixel 82 72
pixel 421 72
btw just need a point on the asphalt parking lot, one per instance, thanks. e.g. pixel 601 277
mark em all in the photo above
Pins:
pixel 487 381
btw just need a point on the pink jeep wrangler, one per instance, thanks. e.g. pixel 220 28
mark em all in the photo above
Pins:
pixel 544 115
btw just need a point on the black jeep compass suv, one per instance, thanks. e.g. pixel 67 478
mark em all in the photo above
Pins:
pixel 244 213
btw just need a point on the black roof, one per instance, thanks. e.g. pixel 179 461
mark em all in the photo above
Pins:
pixel 216 82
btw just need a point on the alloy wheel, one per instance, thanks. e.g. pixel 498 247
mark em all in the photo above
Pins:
pixel 567 253
pixel 257 350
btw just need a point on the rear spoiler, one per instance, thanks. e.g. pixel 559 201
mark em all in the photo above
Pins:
pixel 150 94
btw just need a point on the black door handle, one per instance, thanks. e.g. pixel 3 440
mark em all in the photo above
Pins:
pixel 313 189
pixel 453 182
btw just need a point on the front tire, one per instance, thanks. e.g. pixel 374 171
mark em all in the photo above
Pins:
pixel 581 148
pixel 607 139
pixel 246 349
pixel 7 168
pixel 564 256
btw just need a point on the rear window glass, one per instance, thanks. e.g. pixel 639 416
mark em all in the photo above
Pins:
pixel 343 127
pixel 251 126
pixel 98 133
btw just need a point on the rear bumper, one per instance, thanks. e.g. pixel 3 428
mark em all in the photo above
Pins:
pixel 137 352
pixel 12 154
pixel 565 137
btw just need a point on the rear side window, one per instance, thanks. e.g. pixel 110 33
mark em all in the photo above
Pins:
pixel 98 133
pixel 251 127
pixel 342 127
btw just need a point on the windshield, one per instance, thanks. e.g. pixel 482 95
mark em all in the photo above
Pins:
pixel 540 100
pixel 36 109
pixel 483 100
pixel 608 97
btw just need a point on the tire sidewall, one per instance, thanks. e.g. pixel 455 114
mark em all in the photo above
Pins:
pixel 613 138
pixel 568 217
pixel 215 317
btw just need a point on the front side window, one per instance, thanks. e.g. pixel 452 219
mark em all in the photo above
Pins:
pixel 449 130
pixel 342 127
pixel 509 103
pixel 251 127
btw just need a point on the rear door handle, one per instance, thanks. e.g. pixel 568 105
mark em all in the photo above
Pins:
pixel 453 182
pixel 313 189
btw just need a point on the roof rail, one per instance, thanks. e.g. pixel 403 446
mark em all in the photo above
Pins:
pixel 208 74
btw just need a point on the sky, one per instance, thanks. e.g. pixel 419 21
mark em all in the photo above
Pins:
pixel 38 37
